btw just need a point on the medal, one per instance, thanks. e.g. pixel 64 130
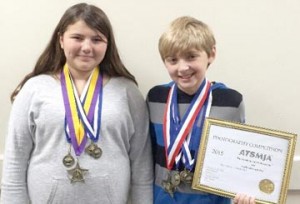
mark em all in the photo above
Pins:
pixel 77 174
pixel 97 153
pixel 168 187
pixel 171 183
pixel 186 176
pixel 182 134
pixel 68 160
pixel 175 179
pixel 82 118
pixel 93 150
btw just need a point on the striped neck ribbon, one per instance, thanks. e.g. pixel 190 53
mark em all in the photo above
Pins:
pixel 82 114
pixel 180 135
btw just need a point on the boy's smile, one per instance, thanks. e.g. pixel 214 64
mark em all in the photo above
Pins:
pixel 188 69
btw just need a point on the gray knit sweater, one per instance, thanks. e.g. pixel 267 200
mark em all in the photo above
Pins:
pixel 36 144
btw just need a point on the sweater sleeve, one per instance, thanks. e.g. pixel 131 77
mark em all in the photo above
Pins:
pixel 140 150
pixel 19 144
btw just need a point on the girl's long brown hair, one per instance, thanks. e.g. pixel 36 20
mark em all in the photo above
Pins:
pixel 52 60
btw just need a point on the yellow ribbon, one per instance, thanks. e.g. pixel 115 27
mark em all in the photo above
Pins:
pixel 78 126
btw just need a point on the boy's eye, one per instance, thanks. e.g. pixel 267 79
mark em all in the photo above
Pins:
pixel 191 57
pixel 171 60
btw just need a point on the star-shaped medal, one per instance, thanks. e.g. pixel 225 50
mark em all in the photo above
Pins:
pixel 77 174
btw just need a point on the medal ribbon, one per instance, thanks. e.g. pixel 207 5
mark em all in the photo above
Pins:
pixel 77 124
pixel 194 143
pixel 193 140
pixel 176 131
pixel 92 105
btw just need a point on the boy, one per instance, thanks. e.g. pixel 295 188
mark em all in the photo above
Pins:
pixel 177 112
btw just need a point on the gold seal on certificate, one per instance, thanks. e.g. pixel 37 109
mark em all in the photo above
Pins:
pixel 266 186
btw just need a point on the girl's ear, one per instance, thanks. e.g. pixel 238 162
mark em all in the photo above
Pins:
pixel 61 40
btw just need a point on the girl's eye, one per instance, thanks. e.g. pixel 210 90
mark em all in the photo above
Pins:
pixel 76 37
pixel 96 40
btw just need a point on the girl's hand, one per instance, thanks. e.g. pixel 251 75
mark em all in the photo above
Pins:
pixel 243 199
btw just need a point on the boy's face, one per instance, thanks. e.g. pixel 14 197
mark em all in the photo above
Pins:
pixel 188 69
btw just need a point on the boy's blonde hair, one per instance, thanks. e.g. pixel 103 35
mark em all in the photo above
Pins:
pixel 186 33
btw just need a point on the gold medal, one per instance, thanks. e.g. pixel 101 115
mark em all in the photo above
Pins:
pixel 68 160
pixel 77 174
pixel 186 176
pixel 266 186
pixel 93 150
pixel 168 187
pixel 90 149
pixel 97 153
pixel 175 179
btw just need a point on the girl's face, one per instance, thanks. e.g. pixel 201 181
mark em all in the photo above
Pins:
pixel 84 48
pixel 188 69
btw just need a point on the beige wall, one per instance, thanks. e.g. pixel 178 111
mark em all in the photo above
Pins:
pixel 257 50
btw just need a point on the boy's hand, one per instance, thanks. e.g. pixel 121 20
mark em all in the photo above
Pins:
pixel 243 199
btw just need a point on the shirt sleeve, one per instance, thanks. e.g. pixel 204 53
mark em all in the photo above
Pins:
pixel 140 150
pixel 19 144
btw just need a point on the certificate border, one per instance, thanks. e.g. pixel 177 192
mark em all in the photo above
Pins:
pixel 291 137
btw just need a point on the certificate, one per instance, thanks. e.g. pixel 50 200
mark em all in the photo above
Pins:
pixel 238 158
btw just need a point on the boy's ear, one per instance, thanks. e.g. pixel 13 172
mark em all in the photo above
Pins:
pixel 212 55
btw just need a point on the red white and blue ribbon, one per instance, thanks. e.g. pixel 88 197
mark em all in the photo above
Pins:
pixel 178 133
